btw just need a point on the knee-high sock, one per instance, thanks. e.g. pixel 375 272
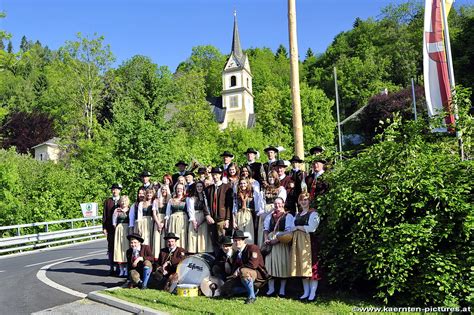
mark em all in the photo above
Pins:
pixel 305 289
pixel 146 275
pixel 313 284
pixel 271 286
pixel 282 286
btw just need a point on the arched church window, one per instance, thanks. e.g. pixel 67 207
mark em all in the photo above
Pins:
pixel 248 83
pixel 233 80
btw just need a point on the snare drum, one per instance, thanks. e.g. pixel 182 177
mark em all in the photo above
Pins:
pixel 284 237
pixel 193 269
pixel 187 290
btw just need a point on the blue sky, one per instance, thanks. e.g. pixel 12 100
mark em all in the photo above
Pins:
pixel 166 30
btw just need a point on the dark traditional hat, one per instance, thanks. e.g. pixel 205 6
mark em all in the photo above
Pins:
pixel 227 153
pixel 145 174
pixel 296 159
pixel 189 173
pixel 320 161
pixel 238 234
pixel 116 186
pixel 202 170
pixel 270 148
pixel 316 150
pixel 225 240
pixel 171 235
pixel 279 163
pixel 136 236
pixel 250 150
pixel 216 170
pixel 181 163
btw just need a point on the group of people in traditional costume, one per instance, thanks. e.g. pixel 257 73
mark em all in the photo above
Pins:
pixel 257 220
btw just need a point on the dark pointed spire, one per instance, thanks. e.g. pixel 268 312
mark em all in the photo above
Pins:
pixel 236 48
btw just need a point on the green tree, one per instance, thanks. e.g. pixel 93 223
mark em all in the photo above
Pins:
pixel 86 60
pixel 25 45
pixel 210 61
pixel 281 52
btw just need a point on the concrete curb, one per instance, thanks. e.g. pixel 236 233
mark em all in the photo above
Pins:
pixel 121 304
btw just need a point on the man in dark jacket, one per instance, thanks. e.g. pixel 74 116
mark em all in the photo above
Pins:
pixel 222 267
pixel 168 260
pixel 139 258
pixel 108 228
pixel 220 202
pixel 258 171
pixel 248 269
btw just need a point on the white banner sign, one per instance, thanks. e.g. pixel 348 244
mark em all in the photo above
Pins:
pixel 89 209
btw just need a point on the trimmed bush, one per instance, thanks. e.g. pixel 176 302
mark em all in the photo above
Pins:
pixel 398 220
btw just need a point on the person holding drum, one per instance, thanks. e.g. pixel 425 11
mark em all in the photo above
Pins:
pixel 272 191
pixel 139 257
pixel 144 224
pixel 304 248
pixel 176 218
pixel 159 212
pixel 168 260
pixel 248 269
pixel 199 239
pixel 276 261
pixel 120 221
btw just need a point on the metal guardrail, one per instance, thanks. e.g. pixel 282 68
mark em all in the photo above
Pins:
pixel 48 238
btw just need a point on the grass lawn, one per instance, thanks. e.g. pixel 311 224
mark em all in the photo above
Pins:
pixel 173 304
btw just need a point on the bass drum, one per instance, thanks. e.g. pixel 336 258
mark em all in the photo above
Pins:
pixel 193 269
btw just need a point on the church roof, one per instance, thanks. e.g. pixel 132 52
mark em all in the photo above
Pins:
pixel 217 109
pixel 236 47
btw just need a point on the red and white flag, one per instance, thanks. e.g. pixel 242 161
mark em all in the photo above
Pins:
pixel 435 68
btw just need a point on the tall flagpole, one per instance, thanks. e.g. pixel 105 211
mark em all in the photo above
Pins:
pixel 337 110
pixel 295 81
pixel 449 60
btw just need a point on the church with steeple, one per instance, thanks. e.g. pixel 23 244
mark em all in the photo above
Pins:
pixel 236 103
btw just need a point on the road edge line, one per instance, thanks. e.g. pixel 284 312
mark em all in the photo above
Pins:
pixel 41 275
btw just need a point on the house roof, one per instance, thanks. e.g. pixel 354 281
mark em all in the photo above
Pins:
pixel 54 142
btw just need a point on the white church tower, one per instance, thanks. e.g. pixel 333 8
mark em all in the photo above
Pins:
pixel 237 96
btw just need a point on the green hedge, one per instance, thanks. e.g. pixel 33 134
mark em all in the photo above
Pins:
pixel 34 191
pixel 398 220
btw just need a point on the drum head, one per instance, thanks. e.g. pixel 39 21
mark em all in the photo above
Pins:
pixel 210 286
pixel 195 268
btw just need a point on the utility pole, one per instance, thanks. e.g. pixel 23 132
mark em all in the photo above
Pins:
pixel 295 81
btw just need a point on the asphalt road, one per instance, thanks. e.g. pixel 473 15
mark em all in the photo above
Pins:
pixel 86 270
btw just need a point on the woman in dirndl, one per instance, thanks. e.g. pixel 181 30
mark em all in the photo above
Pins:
pixel 144 223
pixel 159 212
pixel 272 191
pixel 120 220
pixel 304 248
pixel 276 262
pixel 246 203
pixel 199 238
pixel 176 218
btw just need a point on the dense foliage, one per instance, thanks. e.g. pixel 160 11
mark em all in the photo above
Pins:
pixel 398 219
